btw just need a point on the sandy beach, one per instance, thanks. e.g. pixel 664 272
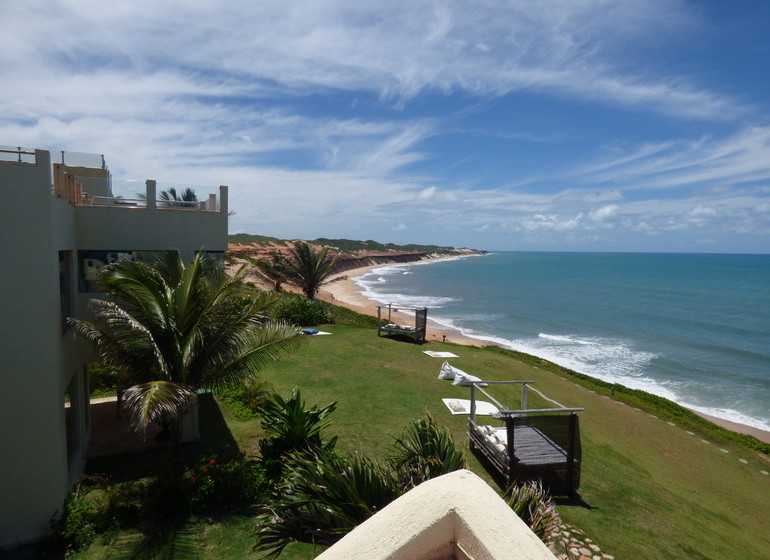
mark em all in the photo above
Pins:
pixel 347 293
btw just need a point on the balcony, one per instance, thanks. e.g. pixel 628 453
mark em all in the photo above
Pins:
pixel 83 179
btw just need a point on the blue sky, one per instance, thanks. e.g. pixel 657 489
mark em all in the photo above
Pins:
pixel 579 125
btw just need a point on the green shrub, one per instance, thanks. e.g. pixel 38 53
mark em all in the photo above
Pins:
pixel 75 528
pixel 301 311
pixel 245 401
pixel 218 485
pixel 103 380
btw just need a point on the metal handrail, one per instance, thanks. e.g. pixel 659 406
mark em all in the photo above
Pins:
pixel 504 411
pixel 18 151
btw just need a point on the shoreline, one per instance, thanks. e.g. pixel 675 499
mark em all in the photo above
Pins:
pixel 344 291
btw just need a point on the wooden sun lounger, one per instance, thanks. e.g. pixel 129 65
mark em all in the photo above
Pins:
pixel 388 325
pixel 534 444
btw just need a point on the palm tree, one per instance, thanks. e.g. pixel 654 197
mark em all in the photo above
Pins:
pixel 170 197
pixel 309 268
pixel 183 199
pixel 272 269
pixel 173 328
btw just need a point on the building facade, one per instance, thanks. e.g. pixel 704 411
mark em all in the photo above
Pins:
pixel 59 225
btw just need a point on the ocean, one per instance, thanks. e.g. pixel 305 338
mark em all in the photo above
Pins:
pixel 692 328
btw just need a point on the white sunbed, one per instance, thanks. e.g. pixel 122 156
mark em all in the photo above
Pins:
pixel 463 406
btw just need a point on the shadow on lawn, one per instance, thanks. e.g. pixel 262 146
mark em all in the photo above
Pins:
pixel 216 439
pixel 162 523
pixel 572 500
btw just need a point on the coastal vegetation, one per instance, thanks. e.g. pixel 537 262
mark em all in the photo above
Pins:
pixel 284 478
pixel 343 245
pixel 650 489
pixel 309 268
pixel 172 328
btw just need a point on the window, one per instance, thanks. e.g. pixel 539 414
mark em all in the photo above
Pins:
pixel 90 264
pixel 65 287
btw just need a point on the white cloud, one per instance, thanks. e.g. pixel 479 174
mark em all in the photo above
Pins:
pixel 605 213
pixel 427 194
pixel 240 96
pixel 701 215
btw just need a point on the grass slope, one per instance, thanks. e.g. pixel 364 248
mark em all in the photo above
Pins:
pixel 649 489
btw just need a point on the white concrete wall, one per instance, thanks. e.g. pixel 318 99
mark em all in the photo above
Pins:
pixel 38 361
pixel 438 517
pixel 33 468
pixel 144 229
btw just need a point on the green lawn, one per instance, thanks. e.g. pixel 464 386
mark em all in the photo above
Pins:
pixel 649 489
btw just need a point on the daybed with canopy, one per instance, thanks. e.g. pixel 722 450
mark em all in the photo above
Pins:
pixel 388 325
pixel 532 444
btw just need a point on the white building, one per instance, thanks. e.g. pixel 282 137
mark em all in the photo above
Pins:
pixel 58 225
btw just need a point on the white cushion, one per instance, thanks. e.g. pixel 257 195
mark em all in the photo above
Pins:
pixel 448 372
pixel 465 379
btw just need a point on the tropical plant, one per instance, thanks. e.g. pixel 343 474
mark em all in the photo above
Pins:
pixel 298 310
pixel 424 450
pixel 290 427
pixel 531 502
pixel 171 198
pixel 245 400
pixel 272 269
pixel 173 328
pixel 324 496
pixel 183 199
pixel 310 268
pixel 217 484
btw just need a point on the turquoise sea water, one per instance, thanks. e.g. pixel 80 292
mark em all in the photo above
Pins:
pixel 692 328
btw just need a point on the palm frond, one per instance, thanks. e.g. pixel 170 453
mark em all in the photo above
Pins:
pixel 324 497
pixel 157 402
pixel 190 324
pixel 309 268
pixel 250 351
pixel 120 340
pixel 425 450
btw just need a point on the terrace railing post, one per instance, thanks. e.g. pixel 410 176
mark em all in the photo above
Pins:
pixel 510 424
pixel 570 475
pixel 524 396
pixel 152 195
pixel 473 402
pixel 223 201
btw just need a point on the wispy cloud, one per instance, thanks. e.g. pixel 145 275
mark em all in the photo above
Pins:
pixel 740 158
pixel 312 109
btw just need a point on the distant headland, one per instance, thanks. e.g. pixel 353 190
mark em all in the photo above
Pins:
pixel 353 254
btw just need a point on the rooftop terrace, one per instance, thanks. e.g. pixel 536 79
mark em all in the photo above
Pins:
pixel 84 180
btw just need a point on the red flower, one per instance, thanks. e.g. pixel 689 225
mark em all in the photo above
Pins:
pixel 212 462
pixel 205 471
pixel 193 480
